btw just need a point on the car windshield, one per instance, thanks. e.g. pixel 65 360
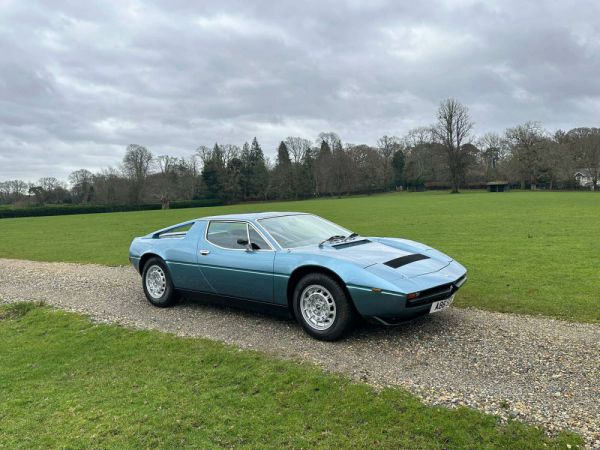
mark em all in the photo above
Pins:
pixel 299 230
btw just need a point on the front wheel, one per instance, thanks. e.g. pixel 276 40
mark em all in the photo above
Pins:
pixel 157 284
pixel 322 307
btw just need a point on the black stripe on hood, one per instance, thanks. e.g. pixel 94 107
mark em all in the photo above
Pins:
pixel 404 260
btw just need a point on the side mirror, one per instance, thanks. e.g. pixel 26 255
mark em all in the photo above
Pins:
pixel 246 244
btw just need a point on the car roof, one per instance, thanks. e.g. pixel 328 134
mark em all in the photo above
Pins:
pixel 252 216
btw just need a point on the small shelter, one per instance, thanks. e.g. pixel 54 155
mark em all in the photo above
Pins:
pixel 497 186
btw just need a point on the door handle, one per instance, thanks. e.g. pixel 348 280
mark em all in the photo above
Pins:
pixel 204 252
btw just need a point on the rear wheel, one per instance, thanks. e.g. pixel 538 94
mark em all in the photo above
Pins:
pixel 157 283
pixel 322 307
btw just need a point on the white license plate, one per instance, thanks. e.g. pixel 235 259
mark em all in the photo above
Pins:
pixel 441 305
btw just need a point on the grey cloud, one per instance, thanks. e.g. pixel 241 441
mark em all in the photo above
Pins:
pixel 79 81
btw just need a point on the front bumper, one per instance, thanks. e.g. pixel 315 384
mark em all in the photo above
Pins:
pixel 392 307
pixel 135 262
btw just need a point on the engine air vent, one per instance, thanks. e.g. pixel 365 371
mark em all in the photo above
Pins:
pixel 404 260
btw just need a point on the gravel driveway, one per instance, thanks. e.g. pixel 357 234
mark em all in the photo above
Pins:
pixel 538 370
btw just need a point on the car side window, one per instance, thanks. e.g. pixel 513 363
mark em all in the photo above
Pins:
pixel 226 234
pixel 258 243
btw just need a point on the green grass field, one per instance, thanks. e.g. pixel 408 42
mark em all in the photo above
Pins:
pixel 527 252
pixel 69 383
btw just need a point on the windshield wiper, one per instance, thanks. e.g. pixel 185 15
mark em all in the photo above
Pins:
pixel 335 237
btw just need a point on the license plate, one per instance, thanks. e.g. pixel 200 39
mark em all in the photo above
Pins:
pixel 441 305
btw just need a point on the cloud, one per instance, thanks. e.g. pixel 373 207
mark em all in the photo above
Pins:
pixel 80 81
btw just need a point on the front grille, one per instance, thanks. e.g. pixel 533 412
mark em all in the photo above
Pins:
pixel 434 294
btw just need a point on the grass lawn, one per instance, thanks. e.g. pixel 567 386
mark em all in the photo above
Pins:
pixel 66 382
pixel 527 252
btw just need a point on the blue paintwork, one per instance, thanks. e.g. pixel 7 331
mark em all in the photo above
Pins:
pixel 264 275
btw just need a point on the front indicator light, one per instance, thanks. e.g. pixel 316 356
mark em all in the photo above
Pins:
pixel 412 295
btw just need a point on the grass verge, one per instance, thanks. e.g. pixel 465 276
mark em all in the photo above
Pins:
pixel 67 382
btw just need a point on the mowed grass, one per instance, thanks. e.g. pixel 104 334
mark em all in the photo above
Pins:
pixel 69 383
pixel 526 252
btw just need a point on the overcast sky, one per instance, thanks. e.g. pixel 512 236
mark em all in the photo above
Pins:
pixel 79 82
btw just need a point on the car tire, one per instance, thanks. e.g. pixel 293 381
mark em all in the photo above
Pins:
pixel 157 284
pixel 322 307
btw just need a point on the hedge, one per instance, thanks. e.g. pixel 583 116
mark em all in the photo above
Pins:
pixel 59 210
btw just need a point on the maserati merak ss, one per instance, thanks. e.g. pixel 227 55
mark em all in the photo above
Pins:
pixel 325 275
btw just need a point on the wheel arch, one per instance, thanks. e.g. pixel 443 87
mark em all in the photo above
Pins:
pixel 145 258
pixel 301 271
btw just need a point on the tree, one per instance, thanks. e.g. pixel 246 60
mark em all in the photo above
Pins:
pixel 585 143
pixel 258 171
pixel 493 152
pixel 282 179
pixel 297 148
pixel 232 187
pixel 38 193
pixel 82 187
pixel 12 191
pixel 330 138
pixel 214 172
pixel 49 190
pixel 388 146
pixel 188 177
pixel 453 130
pixel 322 169
pixel 306 170
pixel 398 162
pixel 366 168
pixel 136 166
pixel 525 147
pixel 341 167
pixel 246 170
pixel 110 188
pixel 167 179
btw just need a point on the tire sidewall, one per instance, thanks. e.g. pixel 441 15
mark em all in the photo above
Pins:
pixel 344 309
pixel 168 298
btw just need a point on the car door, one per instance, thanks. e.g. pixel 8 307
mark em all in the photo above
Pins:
pixel 236 260
pixel 179 249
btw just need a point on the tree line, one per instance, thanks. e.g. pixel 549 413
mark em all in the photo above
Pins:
pixel 444 155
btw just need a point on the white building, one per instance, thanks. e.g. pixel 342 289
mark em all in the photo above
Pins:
pixel 584 178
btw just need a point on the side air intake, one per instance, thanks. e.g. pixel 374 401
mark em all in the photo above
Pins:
pixel 404 260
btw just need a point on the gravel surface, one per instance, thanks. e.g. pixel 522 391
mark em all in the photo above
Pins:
pixel 538 370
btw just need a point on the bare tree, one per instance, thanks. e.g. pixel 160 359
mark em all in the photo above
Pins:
pixel 330 138
pixel 367 168
pixel 136 166
pixel 188 178
pixel 493 152
pixel 585 143
pixel 167 179
pixel 418 136
pixel 204 153
pixel 525 146
pixel 453 130
pixel 81 185
pixel 110 188
pixel 298 147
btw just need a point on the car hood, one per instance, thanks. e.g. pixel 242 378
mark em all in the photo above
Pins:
pixel 389 260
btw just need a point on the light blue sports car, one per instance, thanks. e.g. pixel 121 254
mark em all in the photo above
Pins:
pixel 325 275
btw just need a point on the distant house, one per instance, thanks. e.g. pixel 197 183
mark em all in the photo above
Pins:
pixel 497 186
pixel 584 178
